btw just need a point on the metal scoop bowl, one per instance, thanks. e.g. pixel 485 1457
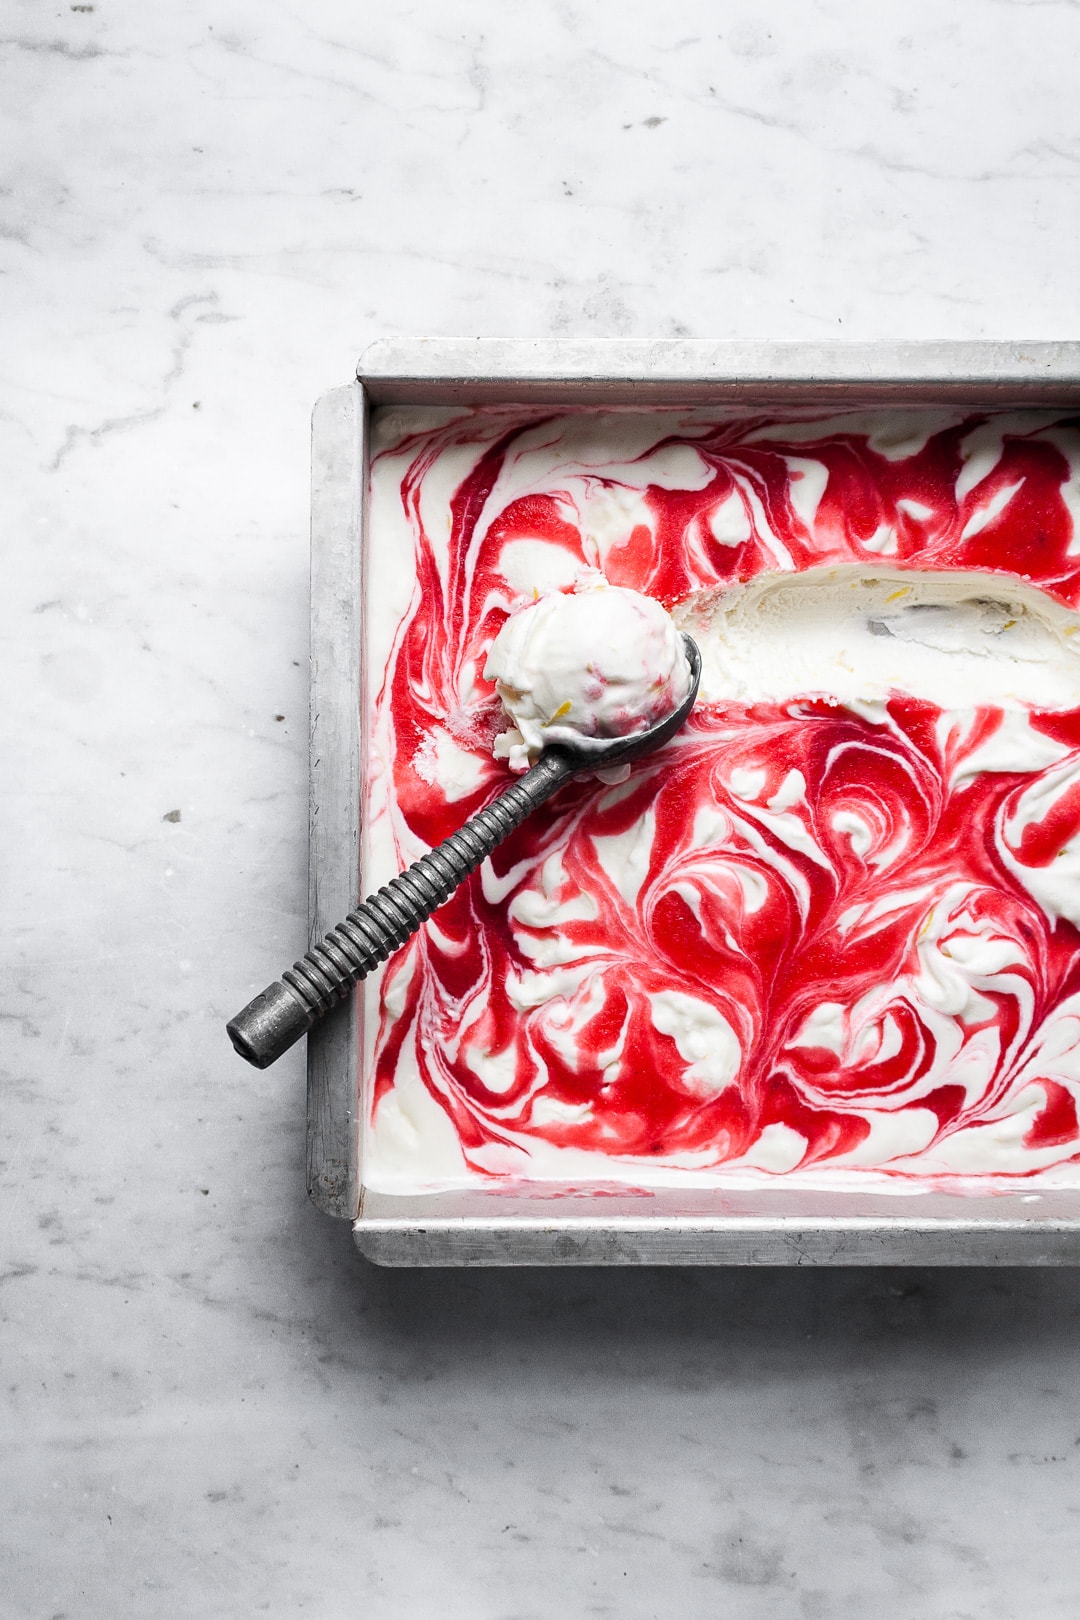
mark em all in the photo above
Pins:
pixel 306 992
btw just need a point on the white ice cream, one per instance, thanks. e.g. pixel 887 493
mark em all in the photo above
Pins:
pixel 852 633
pixel 952 639
pixel 584 667
pixel 955 639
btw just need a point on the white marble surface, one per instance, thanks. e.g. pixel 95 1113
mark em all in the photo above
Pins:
pixel 213 1407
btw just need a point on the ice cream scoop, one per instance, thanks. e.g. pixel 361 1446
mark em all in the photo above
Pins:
pixel 581 667
pixel 287 1009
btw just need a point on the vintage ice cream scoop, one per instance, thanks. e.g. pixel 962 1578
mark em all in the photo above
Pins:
pixel 287 1009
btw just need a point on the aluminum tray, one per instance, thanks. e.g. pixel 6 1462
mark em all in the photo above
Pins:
pixel 753 1228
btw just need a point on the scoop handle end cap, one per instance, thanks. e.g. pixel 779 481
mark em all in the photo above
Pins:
pixel 269 1025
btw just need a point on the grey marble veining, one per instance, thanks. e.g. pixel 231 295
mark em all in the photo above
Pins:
pixel 213 1407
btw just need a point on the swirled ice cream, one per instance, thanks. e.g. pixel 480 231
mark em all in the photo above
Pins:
pixel 582 667
pixel 834 937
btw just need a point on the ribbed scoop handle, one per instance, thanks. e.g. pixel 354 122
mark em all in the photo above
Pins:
pixel 285 1010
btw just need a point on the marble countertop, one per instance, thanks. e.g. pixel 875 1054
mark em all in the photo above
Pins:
pixel 213 1406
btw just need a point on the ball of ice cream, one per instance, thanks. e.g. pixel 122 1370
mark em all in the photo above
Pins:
pixel 581 668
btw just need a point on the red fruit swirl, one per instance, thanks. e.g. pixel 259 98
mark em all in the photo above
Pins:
pixel 876 971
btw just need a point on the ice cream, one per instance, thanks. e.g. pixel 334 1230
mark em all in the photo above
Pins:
pixel 584 666
pixel 957 639
pixel 834 939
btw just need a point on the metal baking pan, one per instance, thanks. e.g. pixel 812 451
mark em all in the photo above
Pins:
pixel 763 1227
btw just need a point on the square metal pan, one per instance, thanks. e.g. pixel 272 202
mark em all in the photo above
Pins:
pixel 763 1227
